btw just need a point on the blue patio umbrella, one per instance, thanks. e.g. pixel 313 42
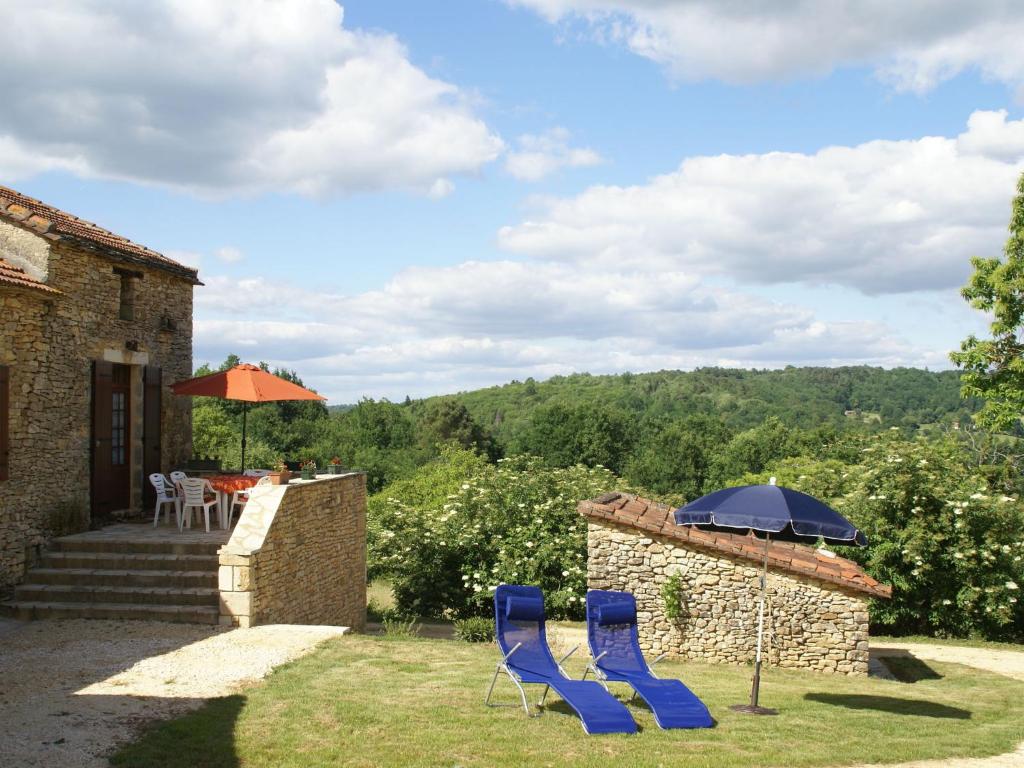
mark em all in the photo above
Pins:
pixel 768 511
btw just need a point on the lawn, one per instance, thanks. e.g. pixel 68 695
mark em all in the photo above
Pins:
pixel 371 701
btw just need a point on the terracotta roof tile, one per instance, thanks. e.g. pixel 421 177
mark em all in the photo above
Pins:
pixel 16 276
pixel 56 224
pixel 647 515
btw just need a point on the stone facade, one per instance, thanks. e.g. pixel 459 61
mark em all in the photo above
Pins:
pixel 810 623
pixel 50 337
pixel 298 555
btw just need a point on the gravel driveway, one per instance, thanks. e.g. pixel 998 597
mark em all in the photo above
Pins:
pixel 72 690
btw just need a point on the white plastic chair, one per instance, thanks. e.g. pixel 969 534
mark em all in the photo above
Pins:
pixel 165 494
pixel 242 497
pixel 193 489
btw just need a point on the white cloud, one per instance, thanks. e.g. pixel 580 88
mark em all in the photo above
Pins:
pixel 440 329
pixel 913 44
pixel 881 217
pixel 540 155
pixel 229 254
pixel 440 188
pixel 236 96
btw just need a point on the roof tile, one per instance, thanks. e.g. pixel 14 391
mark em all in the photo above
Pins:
pixel 16 276
pixel 55 223
pixel 647 515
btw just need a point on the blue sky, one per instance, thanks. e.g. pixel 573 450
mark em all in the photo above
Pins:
pixel 398 198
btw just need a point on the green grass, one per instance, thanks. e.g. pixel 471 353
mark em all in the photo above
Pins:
pixel 366 701
pixel 880 641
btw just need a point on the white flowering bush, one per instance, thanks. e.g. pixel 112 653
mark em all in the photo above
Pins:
pixel 513 522
pixel 949 540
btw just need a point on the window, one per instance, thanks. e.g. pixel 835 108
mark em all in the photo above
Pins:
pixel 119 416
pixel 126 310
pixel 5 407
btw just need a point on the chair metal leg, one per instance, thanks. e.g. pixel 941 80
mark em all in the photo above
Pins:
pixel 487 698
pixel 522 692
pixel 544 695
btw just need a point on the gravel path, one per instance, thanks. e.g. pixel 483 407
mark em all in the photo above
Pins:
pixel 1002 662
pixel 71 691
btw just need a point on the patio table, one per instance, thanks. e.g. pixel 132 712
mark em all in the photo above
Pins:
pixel 224 486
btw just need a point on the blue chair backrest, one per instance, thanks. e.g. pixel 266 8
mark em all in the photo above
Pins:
pixel 519 618
pixel 611 630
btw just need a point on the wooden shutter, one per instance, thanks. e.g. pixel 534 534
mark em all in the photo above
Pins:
pixel 152 381
pixel 102 481
pixel 5 418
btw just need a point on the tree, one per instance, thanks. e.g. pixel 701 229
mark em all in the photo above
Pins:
pixel 566 435
pixel 446 420
pixel 754 451
pixel 993 369
pixel 677 459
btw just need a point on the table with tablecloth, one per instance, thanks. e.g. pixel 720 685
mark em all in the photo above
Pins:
pixel 224 486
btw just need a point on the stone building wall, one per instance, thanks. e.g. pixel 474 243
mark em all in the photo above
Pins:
pixel 50 343
pixel 808 624
pixel 298 555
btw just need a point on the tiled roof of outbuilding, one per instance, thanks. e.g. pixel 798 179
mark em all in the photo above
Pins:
pixel 12 275
pixel 654 518
pixel 55 224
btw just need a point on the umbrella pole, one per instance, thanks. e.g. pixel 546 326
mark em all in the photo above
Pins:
pixel 756 687
pixel 753 708
pixel 245 409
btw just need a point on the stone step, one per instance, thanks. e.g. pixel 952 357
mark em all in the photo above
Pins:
pixel 136 546
pixel 189 614
pixel 128 561
pixel 106 577
pixel 79 593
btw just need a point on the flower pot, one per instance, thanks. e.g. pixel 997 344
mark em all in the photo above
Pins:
pixel 280 478
pixel 308 474
pixel 334 469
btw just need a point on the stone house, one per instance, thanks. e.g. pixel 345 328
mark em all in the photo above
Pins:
pixel 817 611
pixel 93 330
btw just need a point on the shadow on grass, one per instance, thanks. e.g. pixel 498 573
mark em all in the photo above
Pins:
pixel 890 704
pixel 908 668
pixel 208 732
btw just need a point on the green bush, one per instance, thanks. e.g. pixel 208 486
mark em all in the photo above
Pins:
pixel 949 541
pixel 475 629
pixel 514 522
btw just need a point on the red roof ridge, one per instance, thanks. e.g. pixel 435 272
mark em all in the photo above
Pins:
pixel 54 224
pixel 11 274
pixel 650 516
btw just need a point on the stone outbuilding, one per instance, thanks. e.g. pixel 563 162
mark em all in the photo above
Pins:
pixel 93 330
pixel 817 611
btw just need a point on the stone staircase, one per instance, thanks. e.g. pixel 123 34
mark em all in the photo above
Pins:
pixel 106 577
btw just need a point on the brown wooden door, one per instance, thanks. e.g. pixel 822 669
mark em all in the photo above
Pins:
pixel 151 433
pixel 111 438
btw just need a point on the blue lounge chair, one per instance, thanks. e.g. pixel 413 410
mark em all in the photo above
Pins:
pixel 612 634
pixel 526 658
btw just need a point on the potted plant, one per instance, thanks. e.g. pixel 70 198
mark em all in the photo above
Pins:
pixel 280 475
pixel 308 469
pixel 335 466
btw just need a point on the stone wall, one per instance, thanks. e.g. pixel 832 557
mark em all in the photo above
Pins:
pixel 808 624
pixel 298 555
pixel 49 343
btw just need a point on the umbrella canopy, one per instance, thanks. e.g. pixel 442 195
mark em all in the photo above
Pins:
pixel 772 512
pixel 247 383
pixel 782 513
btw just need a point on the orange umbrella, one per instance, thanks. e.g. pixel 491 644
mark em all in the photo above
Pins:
pixel 245 382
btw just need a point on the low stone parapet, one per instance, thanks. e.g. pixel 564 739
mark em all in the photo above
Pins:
pixel 298 555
